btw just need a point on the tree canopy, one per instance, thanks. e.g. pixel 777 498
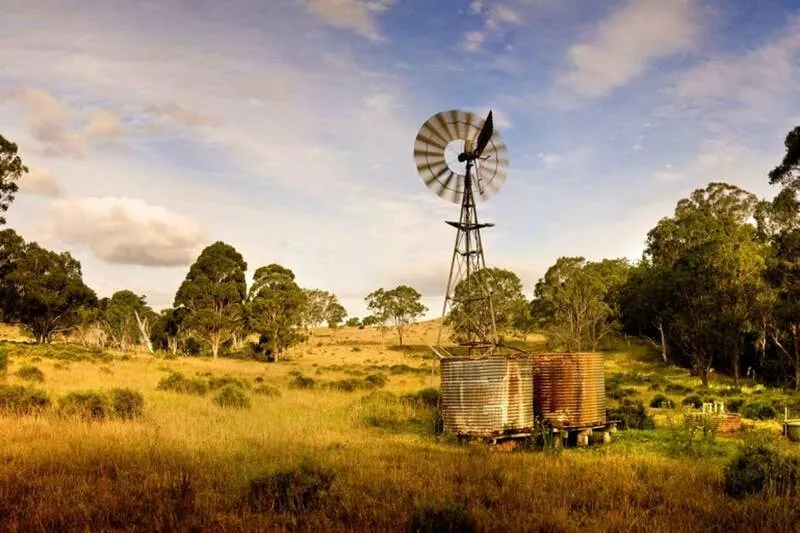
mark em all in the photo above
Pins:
pixel 397 307
pixel 276 306
pixel 214 292
pixel 11 170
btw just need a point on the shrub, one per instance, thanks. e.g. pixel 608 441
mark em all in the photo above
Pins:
pixel 758 468
pixel 301 382
pixel 297 490
pixel 615 392
pixel 428 397
pixel 661 401
pixel 266 390
pixel 730 391
pixel 17 399
pixel 192 346
pixel 692 401
pixel 219 382
pixel 3 361
pixel 758 411
pixel 31 373
pixel 126 403
pixel 633 415
pixel 89 405
pixel 432 519
pixel 677 388
pixel 232 396
pixel 733 405
pixel 177 382
pixel 375 380
pixel 694 437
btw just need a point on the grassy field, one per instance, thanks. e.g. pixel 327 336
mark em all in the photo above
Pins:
pixel 337 437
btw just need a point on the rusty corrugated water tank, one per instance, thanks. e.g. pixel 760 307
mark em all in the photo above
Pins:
pixel 570 389
pixel 487 396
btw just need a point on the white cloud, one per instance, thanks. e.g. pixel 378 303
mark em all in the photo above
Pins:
pixel 668 176
pixel 502 14
pixel 40 182
pixel 357 15
pixel 757 84
pixel 104 123
pixel 180 115
pixel 476 6
pixel 127 230
pixel 474 40
pixel 626 43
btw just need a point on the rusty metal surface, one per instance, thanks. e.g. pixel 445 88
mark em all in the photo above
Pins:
pixel 570 389
pixel 487 396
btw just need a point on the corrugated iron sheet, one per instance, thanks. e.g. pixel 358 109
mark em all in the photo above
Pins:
pixel 570 389
pixel 487 396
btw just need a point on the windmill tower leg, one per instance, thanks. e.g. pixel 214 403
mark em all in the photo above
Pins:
pixel 466 291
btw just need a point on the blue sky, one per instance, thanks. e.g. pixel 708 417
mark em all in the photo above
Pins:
pixel 285 128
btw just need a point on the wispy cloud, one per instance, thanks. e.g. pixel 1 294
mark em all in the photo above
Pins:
pixel 357 15
pixel 40 182
pixel 626 43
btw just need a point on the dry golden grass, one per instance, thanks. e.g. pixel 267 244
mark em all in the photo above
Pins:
pixel 187 464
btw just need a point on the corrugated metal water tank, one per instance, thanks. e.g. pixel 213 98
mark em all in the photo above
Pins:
pixel 570 389
pixel 487 396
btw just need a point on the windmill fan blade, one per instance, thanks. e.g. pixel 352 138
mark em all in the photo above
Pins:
pixel 485 135
pixel 435 175
pixel 445 186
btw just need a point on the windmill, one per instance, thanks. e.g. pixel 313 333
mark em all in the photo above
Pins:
pixel 462 159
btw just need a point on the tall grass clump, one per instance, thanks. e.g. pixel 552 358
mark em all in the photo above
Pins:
pixel 267 390
pixel 19 400
pixel 126 404
pixel 233 397
pixel 300 381
pixel 694 436
pixel 296 490
pixel 450 517
pixel 220 382
pixel 758 411
pixel 3 361
pixel 177 382
pixel 88 405
pixel 31 373
pixel 760 468
pixel 633 415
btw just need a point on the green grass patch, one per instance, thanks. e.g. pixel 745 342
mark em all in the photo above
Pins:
pixel 177 382
pixel 31 373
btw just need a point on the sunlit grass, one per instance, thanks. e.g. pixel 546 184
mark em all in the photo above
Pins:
pixel 188 462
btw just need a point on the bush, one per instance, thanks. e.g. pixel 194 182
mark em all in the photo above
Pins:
pixel 295 491
pixel 345 385
pixel 3 361
pixel 615 392
pixel 301 382
pixel 758 411
pixel 16 399
pixel 695 437
pixel 126 403
pixel 758 468
pixel 375 380
pixel 428 397
pixel 88 405
pixel 219 382
pixel 31 373
pixel 232 396
pixel 177 382
pixel 677 388
pixel 733 405
pixel 633 415
pixel 267 390
pixel 192 346
pixel 433 519
pixel 661 401
pixel 692 401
